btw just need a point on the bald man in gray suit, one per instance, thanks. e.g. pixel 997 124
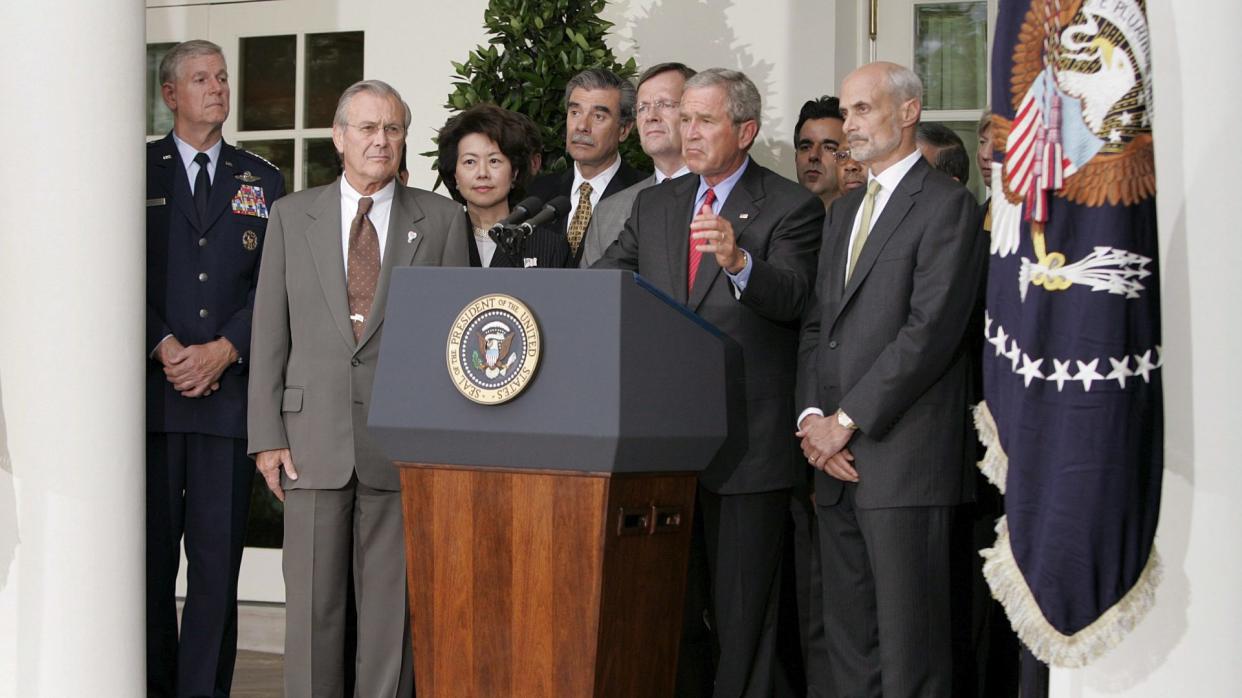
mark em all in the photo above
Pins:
pixel 318 316
pixel 884 375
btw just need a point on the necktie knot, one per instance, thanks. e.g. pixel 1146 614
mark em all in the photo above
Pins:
pixel 864 226
pixel 710 197
pixel 202 159
pixel 364 205
pixel 582 218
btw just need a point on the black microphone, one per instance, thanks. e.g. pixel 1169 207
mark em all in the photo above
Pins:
pixel 519 213
pixel 554 208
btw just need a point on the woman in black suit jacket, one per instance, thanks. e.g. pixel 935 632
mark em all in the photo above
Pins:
pixel 484 160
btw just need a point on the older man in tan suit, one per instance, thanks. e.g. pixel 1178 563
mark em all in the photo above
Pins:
pixel 318 317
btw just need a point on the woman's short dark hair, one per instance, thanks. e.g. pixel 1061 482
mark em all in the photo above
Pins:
pixel 507 129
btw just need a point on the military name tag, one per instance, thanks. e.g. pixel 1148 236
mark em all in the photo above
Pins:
pixel 156 202
pixel 493 349
pixel 250 201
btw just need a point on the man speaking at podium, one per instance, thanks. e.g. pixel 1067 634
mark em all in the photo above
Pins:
pixel 318 312
pixel 737 244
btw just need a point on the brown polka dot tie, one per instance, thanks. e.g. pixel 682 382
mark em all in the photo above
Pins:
pixel 582 217
pixel 364 266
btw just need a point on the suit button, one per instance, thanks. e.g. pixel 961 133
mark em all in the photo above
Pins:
pixel 355 362
pixel 202 276
pixel 202 312
pixel 832 344
pixel 202 242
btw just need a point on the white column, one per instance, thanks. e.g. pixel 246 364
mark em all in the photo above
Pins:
pixel 1188 645
pixel 72 289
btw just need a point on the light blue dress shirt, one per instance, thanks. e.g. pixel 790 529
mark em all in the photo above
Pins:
pixel 723 189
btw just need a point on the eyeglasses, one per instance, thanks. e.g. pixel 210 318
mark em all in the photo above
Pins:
pixel 392 132
pixel 661 106
pixel 841 156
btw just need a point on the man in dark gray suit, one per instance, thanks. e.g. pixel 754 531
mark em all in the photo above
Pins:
pixel 599 114
pixel 659 97
pixel 737 244
pixel 318 316
pixel 883 356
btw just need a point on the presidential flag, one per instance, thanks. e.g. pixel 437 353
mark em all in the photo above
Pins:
pixel 1072 412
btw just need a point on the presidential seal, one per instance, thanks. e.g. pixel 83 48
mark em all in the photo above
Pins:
pixel 493 349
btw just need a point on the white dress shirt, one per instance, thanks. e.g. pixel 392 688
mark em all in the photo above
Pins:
pixel 661 177
pixel 187 153
pixel 381 209
pixel 598 184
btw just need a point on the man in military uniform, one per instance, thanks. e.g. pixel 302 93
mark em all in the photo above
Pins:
pixel 207 208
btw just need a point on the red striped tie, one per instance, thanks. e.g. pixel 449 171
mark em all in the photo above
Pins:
pixel 696 255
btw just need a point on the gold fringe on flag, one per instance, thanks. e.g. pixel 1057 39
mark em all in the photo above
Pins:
pixel 1009 586
pixel 994 466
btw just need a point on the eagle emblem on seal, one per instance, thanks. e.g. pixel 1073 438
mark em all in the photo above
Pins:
pixel 494 341
pixel 1081 92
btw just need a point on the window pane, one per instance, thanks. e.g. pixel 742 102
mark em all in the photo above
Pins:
pixel 951 54
pixel 319 162
pixel 159 119
pixel 333 62
pixel 266 84
pixel 278 152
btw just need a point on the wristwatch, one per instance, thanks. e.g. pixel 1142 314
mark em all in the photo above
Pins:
pixel 844 420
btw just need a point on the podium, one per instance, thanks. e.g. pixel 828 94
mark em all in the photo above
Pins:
pixel 546 536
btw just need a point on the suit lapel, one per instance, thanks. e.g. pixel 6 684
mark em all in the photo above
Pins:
pixel 619 181
pixel 565 188
pixel 839 252
pixel 403 242
pixel 176 183
pixel 677 219
pixel 323 236
pixel 739 209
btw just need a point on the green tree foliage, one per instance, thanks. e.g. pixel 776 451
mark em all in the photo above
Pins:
pixel 536 46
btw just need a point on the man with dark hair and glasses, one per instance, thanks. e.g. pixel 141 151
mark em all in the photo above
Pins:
pixel 819 134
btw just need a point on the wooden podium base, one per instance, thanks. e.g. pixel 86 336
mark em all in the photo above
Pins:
pixel 545 583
